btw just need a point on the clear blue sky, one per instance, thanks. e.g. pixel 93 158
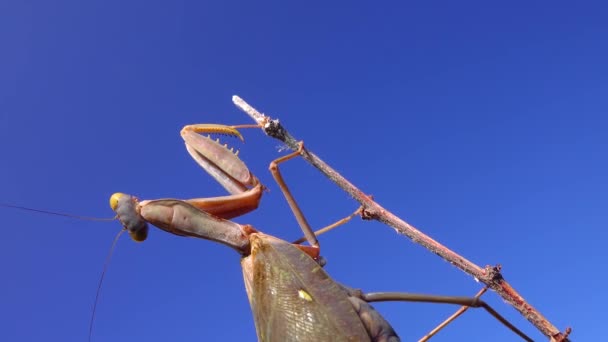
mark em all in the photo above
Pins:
pixel 482 124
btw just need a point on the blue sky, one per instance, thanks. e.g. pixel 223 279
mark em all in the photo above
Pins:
pixel 482 124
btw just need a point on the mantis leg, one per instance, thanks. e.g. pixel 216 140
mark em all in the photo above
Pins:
pixel 449 320
pixel 331 226
pixel 473 302
pixel 295 208
pixel 224 165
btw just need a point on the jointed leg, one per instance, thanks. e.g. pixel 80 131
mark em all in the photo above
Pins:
pixel 297 212
pixel 224 165
pixel 473 302
pixel 331 226
pixel 449 320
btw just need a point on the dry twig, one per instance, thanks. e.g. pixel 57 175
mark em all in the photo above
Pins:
pixel 489 275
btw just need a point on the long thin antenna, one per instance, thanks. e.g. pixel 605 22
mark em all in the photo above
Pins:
pixel 48 212
pixel 103 273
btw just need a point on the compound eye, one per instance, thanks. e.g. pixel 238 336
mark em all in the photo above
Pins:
pixel 114 200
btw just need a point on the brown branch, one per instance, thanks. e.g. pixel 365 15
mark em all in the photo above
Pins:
pixel 488 275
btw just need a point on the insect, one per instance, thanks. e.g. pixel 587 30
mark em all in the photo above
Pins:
pixel 292 298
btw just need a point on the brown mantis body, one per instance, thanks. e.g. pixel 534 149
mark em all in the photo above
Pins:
pixel 292 298
pixel 288 305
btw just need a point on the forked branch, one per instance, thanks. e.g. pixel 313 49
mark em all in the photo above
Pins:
pixel 489 275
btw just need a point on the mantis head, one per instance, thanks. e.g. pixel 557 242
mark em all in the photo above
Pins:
pixel 125 207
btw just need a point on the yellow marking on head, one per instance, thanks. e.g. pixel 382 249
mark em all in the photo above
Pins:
pixel 114 199
pixel 305 295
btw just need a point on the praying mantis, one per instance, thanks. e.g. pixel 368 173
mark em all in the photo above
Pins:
pixel 292 298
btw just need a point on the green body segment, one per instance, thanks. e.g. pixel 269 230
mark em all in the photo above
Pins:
pixel 293 299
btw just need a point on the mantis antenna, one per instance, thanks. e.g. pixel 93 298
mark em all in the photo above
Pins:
pixel 48 212
pixel 103 273
pixel 108 258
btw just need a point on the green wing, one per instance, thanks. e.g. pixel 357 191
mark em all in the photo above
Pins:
pixel 293 299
